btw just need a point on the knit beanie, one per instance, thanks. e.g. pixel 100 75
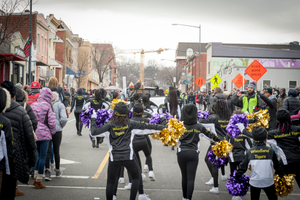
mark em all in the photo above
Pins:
pixel 259 134
pixel 269 90
pixel 252 84
pixel 19 85
pixel 10 87
pixel 121 109
pixel 292 93
pixel 189 114
pixel 138 109
pixel 283 116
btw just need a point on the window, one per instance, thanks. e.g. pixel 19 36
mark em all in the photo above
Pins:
pixel 67 54
pixel 70 54
pixel 42 45
pixel 38 43
pixel 292 84
pixel 266 83
pixel 45 46
pixel 208 68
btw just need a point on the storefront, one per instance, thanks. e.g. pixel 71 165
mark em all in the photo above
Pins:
pixel 10 69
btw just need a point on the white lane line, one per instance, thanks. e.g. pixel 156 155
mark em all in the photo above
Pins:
pixel 65 161
pixel 71 120
pixel 66 176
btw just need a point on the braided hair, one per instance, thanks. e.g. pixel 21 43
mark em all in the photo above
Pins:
pixel 221 109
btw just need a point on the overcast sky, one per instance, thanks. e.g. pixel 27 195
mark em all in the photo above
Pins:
pixel 136 24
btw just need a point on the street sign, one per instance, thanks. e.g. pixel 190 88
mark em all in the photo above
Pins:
pixel 188 81
pixel 214 87
pixel 200 81
pixel 184 82
pixel 81 72
pixel 183 74
pixel 216 80
pixel 238 81
pixel 256 70
pixel 190 76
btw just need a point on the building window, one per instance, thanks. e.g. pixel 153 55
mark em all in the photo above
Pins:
pixel 38 44
pixel 67 54
pixel 292 84
pixel 42 45
pixel 45 46
pixel 266 83
pixel 208 67
pixel 70 54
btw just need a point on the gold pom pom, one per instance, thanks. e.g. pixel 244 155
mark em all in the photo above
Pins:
pixel 222 148
pixel 114 102
pixel 283 185
pixel 263 119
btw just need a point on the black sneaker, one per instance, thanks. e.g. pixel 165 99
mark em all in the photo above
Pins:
pixel 79 134
pixel 101 140
pixel 97 146
pixel 47 175
pixel 172 148
pixel 93 144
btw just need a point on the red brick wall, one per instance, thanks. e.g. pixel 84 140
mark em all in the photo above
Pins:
pixel 195 70
pixel 59 47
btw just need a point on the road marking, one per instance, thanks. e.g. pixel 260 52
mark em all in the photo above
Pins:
pixel 66 176
pixel 65 161
pixel 71 120
pixel 102 165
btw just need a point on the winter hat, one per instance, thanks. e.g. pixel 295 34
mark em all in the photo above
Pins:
pixel 138 109
pixel 35 84
pixel 19 85
pixel 292 92
pixel 4 100
pixel 269 90
pixel 259 134
pixel 252 84
pixel 283 116
pixel 10 87
pixel 121 109
pixel 20 96
pixel 189 114
pixel 79 91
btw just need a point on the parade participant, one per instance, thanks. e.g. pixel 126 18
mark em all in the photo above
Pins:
pixel 120 132
pixel 282 96
pixel 271 102
pixel 151 103
pixel 188 148
pixel 220 118
pixel 7 190
pixel 61 121
pixel 292 104
pixel 23 139
pixel 97 103
pixel 172 104
pixel 250 102
pixel 261 159
pixel 77 104
pixel 146 103
pixel 67 98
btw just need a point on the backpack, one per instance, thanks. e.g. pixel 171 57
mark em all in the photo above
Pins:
pixel 32 98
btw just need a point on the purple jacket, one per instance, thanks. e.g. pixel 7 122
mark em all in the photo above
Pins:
pixel 43 111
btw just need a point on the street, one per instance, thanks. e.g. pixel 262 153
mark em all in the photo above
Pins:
pixel 84 173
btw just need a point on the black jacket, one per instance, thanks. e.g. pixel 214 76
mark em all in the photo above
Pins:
pixel 215 98
pixel 230 105
pixel 272 108
pixel 220 124
pixel 120 137
pixel 140 138
pixel 240 145
pixel 190 140
pixel 292 104
pixel 191 98
pixel 24 141
pixel 5 128
pixel 180 102
pixel 77 104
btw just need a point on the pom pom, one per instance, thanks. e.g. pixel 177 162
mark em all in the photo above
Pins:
pixel 155 119
pixel 114 102
pixel 102 117
pixel 85 116
pixel 263 119
pixel 217 161
pixel 232 128
pixel 238 186
pixel 222 148
pixel 130 115
pixel 283 185
pixel 167 116
pixel 202 114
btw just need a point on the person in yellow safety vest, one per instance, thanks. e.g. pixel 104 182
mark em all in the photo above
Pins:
pixel 250 102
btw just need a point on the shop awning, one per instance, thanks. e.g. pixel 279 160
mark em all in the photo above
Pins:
pixel 11 57
pixel 40 63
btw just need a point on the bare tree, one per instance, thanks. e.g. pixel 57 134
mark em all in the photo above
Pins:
pixel 83 65
pixel 128 68
pixel 103 56
pixel 166 74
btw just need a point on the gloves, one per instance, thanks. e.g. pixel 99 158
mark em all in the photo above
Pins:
pixel 240 126
pixel 94 115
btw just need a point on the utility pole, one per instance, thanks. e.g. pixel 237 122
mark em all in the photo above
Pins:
pixel 30 38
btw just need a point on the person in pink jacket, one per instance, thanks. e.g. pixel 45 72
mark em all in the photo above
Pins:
pixel 46 127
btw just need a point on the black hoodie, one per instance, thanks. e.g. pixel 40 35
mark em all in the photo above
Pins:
pixel 78 101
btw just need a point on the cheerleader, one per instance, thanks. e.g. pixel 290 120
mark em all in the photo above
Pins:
pixel 77 104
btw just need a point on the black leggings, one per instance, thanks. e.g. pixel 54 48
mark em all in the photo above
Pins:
pixel 150 146
pixel 293 169
pixel 143 146
pixel 233 166
pixel 56 140
pixel 78 122
pixel 270 192
pixel 112 176
pixel 213 170
pixel 188 163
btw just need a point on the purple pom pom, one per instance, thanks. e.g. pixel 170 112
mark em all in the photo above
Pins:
pixel 202 114
pixel 238 186
pixel 232 128
pixel 102 117
pixel 85 116
pixel 130 115
pixel 217 161
pixel 167 116
pixel 155 119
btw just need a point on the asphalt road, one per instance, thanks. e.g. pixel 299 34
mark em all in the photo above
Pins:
pixel 84 173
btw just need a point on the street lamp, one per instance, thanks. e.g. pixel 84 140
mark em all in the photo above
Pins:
pixel 199 40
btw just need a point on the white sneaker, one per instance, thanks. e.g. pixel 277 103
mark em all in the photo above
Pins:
pixel 224 178
pixel 114 197
pixel 52 166
pixel 236 198
pixel 121 180
pixel 143 176
pixel 144 197
pixel 210 182
pixel 214 190
pixel 151 176
pixel 128 186
pixel 146 168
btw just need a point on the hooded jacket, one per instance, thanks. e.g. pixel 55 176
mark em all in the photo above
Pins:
pixel 272 108
pixel 140 138
pixel 60 112
pixel 24 142
pixel 21 98
pixel 120 137
pixel 240 145
pixel 6 135
pixel 78 102
pixel 44 113
pixel 291 103
pixel 220 124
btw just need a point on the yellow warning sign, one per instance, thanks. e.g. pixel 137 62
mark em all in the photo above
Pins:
pixel 214 87
pixel 216 80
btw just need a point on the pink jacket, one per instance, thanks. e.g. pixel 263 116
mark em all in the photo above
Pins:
pixel 296 116
pixel 43 111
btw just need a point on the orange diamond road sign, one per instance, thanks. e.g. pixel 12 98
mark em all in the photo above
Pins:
pixel 200 81
pixel 238 81
pixel 256 70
